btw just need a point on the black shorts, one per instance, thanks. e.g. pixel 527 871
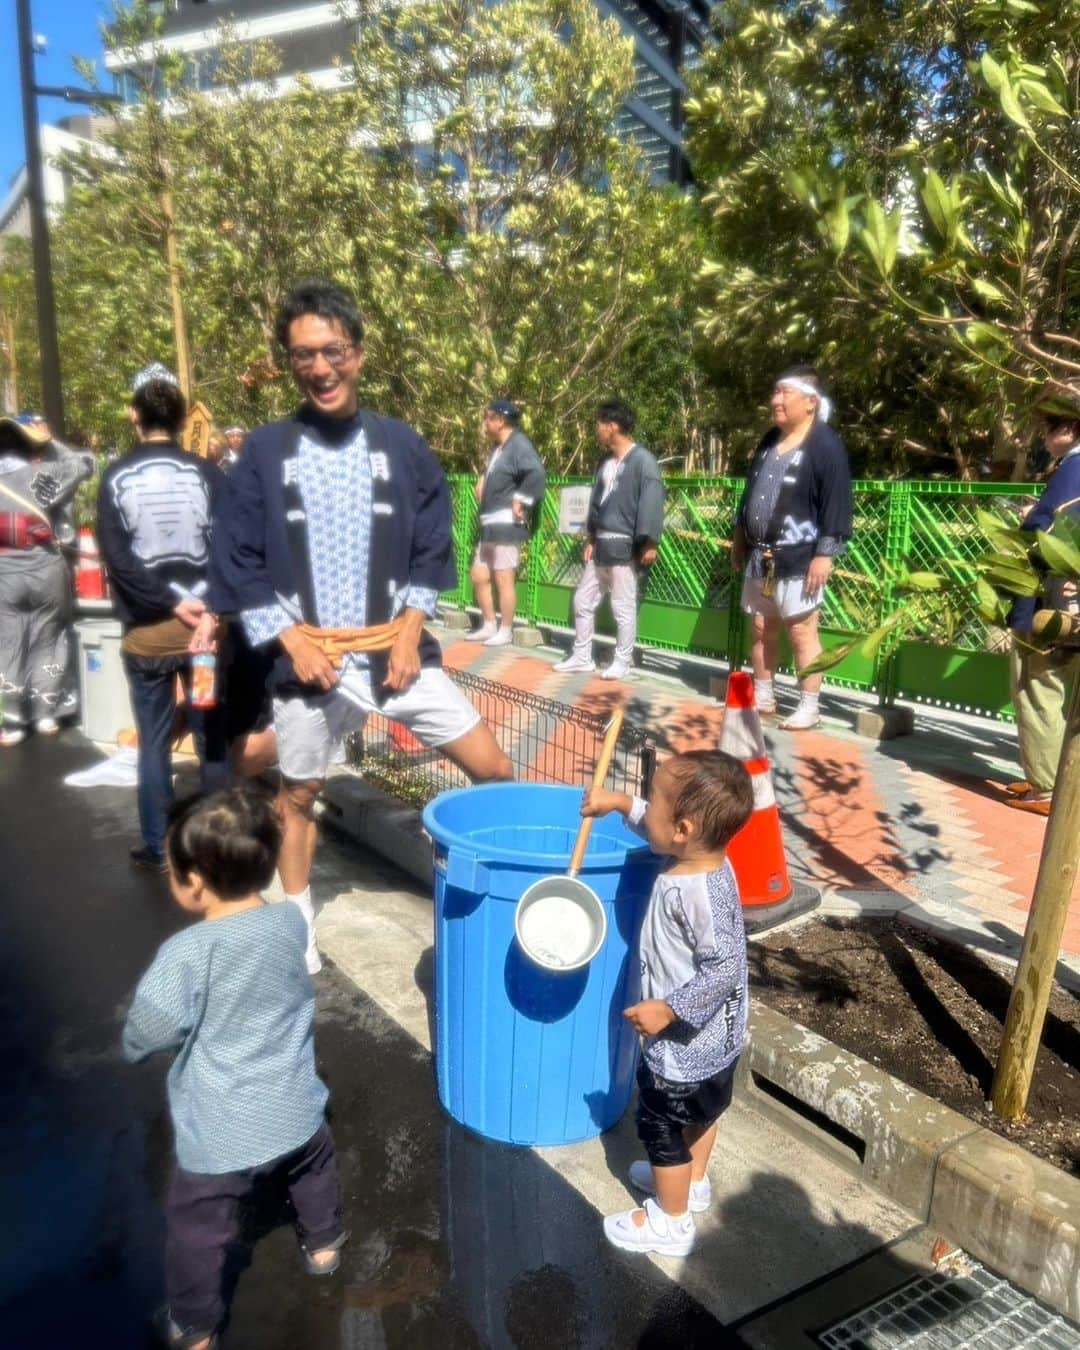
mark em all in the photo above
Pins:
pixel 248 702
pixel 665 1109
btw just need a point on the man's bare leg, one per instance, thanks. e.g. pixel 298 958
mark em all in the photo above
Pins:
pixel 764 646
pixel 480 576
pixel 505 580
pixel 805 646
pixel 254 753
pixel 479 754
pixel 296 802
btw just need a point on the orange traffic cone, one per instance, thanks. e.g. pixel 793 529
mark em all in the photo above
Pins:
pixel 768 894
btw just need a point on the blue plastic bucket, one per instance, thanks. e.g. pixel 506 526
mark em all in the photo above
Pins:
pixel 523 1054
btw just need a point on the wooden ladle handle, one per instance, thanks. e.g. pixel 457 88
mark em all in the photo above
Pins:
pixel 603 763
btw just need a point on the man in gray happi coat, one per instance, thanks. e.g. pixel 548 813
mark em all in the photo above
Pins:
pixel 625 522
pixel 38 479
pixel 509 493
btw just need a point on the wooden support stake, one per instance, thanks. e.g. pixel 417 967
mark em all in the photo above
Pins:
pixel 1058 867
pixel 176 299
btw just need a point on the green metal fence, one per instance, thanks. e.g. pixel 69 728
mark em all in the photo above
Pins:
pixel 691 599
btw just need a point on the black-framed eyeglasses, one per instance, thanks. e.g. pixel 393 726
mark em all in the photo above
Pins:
pixel 334 353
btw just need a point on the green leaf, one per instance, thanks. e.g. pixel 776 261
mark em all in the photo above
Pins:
pixel 1059 555
pixel 989 291
pixel 938 205
pixel 924 581
pixel 1011 107
pixel 992 73
pixel 838 224
pixel 989 605
pixel 1040 97
pixel 1005 539
pixel 1010 576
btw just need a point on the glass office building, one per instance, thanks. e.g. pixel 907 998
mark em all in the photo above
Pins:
pixel 668 36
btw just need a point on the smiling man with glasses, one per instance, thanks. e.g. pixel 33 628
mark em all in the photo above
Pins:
pixel 338 517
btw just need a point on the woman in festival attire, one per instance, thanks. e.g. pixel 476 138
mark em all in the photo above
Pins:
pixel 38 479
pixel 793 520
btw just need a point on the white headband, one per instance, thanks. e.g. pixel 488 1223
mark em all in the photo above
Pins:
pixel 805 387
pixel 154 371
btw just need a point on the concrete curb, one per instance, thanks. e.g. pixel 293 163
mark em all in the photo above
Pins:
pixel 379 822
pixel 1011 1210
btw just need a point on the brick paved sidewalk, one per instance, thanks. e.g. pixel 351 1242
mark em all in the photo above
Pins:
pixel 917 824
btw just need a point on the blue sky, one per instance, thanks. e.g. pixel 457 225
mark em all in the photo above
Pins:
pixel 71 27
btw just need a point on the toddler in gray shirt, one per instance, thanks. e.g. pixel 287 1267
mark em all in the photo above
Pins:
pixel 692 1012
pixel 232 1000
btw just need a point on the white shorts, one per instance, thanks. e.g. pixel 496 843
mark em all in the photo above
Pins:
pixel 499 557
pixel 310 730
pixel 789 599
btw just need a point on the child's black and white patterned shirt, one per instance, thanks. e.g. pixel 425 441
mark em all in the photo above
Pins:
pixel 693 957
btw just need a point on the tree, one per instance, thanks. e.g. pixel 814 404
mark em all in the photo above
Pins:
pixel 464 179
pixel 822 132
pixel 20 380
pixel 525 254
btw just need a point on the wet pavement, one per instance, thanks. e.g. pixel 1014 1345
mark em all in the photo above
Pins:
pixel 456 1242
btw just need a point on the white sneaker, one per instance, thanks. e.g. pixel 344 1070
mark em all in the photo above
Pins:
pixel 618 670
pixel 46 726
pixel 641 1178
pixel 503 638
pixel 11 736
pixel 482 633
pixel 659 1233
pixel 574 662
pixel 802 719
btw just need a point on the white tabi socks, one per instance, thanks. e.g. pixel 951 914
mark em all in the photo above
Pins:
pixel 307 909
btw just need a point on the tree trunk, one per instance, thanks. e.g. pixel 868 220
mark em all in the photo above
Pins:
pixel 1042 937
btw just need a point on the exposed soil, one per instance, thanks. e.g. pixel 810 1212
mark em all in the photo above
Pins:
pixel 927 1011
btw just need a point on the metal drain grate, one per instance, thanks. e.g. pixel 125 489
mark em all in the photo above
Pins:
pixel 977 1311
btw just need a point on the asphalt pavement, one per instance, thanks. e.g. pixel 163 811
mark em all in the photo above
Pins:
pixel 456 1242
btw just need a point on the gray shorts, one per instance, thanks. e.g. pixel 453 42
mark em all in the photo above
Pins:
pixel 789 599
pixel 499 557
pixel 310 730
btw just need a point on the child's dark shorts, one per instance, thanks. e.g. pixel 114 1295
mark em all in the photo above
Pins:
pixel 665 1109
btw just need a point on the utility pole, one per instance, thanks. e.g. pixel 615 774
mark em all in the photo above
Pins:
pixel 52 393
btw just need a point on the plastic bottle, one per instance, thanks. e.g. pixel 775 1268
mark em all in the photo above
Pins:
pixel 203 672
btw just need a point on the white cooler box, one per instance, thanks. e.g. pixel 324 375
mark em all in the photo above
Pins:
pixel 103 687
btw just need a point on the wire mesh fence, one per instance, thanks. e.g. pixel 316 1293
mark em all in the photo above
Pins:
pixel 547 741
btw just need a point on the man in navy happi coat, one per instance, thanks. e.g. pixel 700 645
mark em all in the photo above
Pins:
pixel 339 517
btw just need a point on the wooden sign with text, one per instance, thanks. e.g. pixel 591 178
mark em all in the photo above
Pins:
pixel 196 434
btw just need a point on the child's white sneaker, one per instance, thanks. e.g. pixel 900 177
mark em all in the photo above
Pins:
pixel 641 1178
pixel 659 1233
pixel 481 634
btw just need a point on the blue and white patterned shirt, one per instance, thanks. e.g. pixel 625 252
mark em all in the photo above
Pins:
pixel 335 487
pixel 233 999
pixel 693 958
